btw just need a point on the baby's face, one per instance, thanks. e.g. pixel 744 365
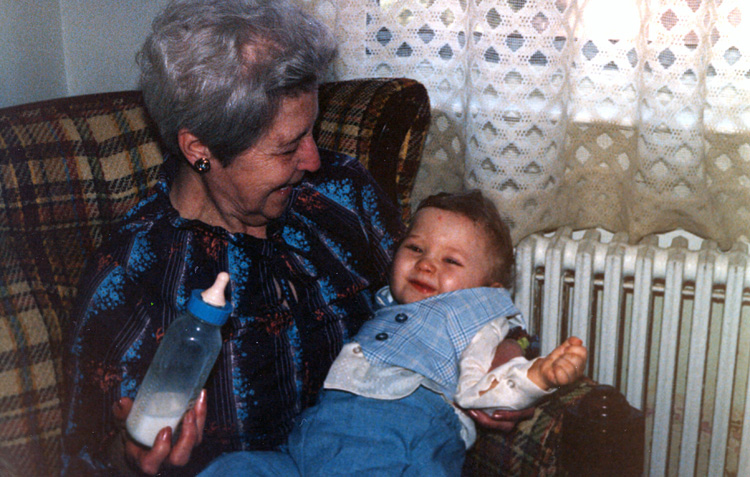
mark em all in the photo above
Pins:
pixel 443 252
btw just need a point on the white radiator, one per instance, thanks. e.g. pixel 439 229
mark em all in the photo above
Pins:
pixel 669 327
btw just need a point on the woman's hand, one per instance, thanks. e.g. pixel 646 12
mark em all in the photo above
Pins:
pixel 502 420
pixel 150 460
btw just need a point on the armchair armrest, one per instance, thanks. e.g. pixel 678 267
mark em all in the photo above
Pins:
pixel 532 447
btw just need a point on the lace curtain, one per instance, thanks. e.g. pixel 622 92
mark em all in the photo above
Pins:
pixel 630 115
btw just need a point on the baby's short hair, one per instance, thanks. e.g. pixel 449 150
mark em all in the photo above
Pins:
pixel 475 206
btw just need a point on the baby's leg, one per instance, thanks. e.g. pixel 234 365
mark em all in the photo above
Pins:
pixel 353 435
pixel 435 454
pixel 258 463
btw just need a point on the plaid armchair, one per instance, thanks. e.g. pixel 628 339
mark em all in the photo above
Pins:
pixel 69 168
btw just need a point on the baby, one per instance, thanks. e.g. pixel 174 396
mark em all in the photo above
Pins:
pixel 387 404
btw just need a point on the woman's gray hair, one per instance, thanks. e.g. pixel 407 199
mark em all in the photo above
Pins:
pixel 220 68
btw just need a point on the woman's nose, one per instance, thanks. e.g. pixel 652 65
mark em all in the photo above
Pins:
pixel 309 159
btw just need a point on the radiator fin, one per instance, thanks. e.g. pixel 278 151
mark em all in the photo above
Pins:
pixel 669 327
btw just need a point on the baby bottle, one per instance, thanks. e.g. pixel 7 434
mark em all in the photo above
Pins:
pixel 181 365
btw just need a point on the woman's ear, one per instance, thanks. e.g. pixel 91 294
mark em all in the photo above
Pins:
pixel 497 285
pixel 192 148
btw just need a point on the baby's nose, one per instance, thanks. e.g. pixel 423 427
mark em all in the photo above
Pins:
pixel 426 264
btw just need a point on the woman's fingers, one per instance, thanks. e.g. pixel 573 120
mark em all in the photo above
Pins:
pixel 180 453
pixel 121 409
pixel 201 410
pixel 500 420
pixel 149 461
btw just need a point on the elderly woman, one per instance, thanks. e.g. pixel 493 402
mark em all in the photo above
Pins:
pixel 305 234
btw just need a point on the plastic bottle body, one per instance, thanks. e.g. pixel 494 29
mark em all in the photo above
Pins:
pixel 175 377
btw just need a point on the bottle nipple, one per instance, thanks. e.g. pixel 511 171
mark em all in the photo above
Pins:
pixel 215 294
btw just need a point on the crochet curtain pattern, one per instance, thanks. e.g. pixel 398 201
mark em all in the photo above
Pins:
pixel 631 115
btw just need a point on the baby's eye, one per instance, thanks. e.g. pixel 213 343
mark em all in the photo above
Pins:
pixel 412 247
pixel 451 261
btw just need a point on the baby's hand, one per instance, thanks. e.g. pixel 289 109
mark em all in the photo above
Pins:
pixel 562 366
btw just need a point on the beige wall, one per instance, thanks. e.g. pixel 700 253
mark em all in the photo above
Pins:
pixel 101 38
pixel 31 52
pixel 54 48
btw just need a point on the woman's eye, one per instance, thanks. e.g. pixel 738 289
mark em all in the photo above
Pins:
pixel 290 150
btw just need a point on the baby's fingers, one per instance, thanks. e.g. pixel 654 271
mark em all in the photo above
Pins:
pixel 576 355
pixel 567 369
pixel 574 341
pixel 572 344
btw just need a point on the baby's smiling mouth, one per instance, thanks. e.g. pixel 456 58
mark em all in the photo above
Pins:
pixel 422 287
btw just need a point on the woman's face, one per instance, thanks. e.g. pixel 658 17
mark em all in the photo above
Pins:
pixel 255 187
